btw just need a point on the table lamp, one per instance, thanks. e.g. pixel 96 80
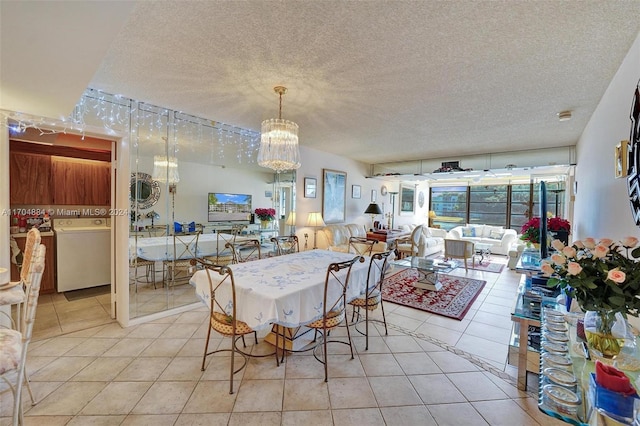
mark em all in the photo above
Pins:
pixel 373 210
pixel 291 221
pixel 315 220
pixel 432 215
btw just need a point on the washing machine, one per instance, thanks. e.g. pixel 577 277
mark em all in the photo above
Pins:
pixel 83 252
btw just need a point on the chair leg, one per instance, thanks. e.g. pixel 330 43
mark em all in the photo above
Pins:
pixel 326 358
pixel 384 319
pixel 233 356
pixel 349 336
pixel 366 326
pixel 206 346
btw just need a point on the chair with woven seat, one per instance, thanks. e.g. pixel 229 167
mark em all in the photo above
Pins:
pixel 185 248
pixel 14 343
pixel 459 249
pixel 223 315
pixel 333 306
pixel 412 246
pixel 361 246
pixel 372 296
pixel 245 251
pixel 149 267
pixel 224 255
pixel 286 244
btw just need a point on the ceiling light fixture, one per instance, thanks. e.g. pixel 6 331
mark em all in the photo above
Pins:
pixel 165 170
pixel 279 141
pixel 564 115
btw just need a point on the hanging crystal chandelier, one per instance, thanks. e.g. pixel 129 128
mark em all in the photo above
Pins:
pixel 165 169
pixel 279 141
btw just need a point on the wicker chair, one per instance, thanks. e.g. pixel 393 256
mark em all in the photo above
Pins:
pixel 460 249
pixel 223 319
pixel 372 297
pixel 333 307
pixel 286 244
pixel 15 343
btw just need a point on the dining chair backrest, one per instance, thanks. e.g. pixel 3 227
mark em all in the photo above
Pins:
pixel 32 242
pixel 378 267
pixel 361 246
pixel 35 277
pixel 286 244
pixel 226 236
pixel 244 251
pixel 221 281
pixel 185 246
pixel 157 231
pixel 335 285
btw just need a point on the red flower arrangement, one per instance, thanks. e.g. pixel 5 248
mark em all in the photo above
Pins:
pixel 531 230
pixel 266 214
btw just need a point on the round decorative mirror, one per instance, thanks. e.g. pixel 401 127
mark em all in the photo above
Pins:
pixel 144 190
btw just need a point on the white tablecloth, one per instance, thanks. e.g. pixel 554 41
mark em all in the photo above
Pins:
pixel 287 290
pixel 161 248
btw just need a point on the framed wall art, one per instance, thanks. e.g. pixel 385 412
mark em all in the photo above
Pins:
pixel 407 199
pixel 621 157
pixel 334 195
pixel 310 187
pixel 355 191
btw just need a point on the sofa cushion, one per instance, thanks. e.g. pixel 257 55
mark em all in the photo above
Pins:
pixel 469 231
pixel 496 234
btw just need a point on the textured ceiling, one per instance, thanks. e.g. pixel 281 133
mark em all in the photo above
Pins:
pixel 379 81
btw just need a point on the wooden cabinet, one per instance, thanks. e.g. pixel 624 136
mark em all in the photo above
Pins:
pixel 29 179
pixel 81 182
pixel 48 283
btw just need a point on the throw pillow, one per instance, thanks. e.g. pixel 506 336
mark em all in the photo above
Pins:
pixel 469 232
pixel 496 235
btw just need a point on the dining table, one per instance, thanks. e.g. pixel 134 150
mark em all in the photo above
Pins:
pixel 286 290
pixel 161 248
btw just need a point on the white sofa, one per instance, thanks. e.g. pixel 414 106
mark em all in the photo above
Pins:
pixel 336 238
pixel 432 240
pixel 499 238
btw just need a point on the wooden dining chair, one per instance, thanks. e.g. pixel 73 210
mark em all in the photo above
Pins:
pixel 333 307
pixel 286 244
pixel 15 343
pixel 244 251
pixel 372 296
pixel 223 316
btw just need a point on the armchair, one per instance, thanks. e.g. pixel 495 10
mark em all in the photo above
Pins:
pixel 459 249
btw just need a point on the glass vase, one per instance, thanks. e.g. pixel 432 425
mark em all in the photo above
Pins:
pixel 599 335
pixel 264 224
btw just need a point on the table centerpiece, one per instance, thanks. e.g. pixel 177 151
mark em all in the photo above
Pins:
pixel 603 277
pixel 265 216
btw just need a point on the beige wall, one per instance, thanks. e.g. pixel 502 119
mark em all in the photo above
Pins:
pixel 601 204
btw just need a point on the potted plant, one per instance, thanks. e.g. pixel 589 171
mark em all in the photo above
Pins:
pixel 265 216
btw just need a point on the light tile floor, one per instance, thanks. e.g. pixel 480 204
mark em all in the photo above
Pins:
pixel 429 370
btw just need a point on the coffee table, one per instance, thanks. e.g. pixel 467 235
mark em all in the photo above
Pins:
pixel 483 250
pixel 428 270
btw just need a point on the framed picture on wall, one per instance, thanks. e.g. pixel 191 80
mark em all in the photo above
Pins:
pixel 407 199
pixel 355 191
pixel 309 187
pixel 621 157
pixel 334 195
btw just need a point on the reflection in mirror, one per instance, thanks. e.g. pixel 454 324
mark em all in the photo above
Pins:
pixel 284 199
pixel 144 191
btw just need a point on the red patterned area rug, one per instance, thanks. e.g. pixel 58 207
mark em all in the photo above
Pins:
pixel 453 300
pixel 485 266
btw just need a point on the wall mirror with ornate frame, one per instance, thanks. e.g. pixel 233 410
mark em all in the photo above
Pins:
pixel 144 191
